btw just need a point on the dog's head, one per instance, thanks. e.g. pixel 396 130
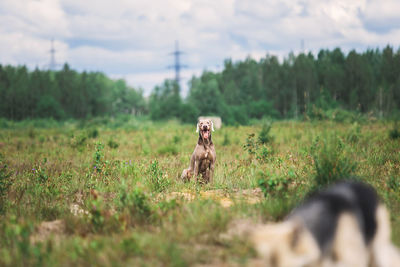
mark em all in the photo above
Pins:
pixel 204 128
pixel 285 244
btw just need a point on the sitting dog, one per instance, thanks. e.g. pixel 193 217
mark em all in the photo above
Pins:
pixel 344 225
pixel 202 161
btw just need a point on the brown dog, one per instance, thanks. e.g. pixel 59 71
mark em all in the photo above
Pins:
pixel 203 158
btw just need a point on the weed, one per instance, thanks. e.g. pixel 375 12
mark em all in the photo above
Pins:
pixel 134 206
pixel 251 145
pixel 264 153
pixel 112 144
pixel 394 183
pixel 156 179
pixel 176 139
pixel 5 183
pixel 226 141
pixel 330 160
pixel 31 133
pixel 274 185
pixel 93 133
pixel 79 141
pixel 354 133
pixel 264 136
pixel 394 133
pixel 98 157
pixel 42 139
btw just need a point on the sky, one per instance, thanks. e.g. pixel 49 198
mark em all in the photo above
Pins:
pixel 133 39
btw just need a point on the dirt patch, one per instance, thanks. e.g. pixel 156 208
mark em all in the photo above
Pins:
pixel 46 230
pixel 226 199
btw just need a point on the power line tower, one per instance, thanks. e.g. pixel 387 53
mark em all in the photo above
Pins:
pixel 177 66
pixel 52 64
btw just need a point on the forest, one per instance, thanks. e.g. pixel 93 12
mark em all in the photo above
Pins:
pixel 330 85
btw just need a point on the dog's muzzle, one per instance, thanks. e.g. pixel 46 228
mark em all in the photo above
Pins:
pixel 205 132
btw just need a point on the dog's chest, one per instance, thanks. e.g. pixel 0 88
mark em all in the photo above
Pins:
pixel 206 154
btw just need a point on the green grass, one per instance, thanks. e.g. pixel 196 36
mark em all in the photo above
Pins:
pixel 122 178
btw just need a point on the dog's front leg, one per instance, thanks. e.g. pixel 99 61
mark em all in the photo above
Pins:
pixel 196 169
pixel 212 165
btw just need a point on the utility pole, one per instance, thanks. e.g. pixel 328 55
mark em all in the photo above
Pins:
pixel 177 66
pixel 52 64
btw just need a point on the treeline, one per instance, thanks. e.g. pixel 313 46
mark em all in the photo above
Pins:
pixel 64 94
pixel 300 86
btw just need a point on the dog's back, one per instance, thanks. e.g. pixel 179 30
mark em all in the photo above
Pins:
pixel 344 225
pixel 321 212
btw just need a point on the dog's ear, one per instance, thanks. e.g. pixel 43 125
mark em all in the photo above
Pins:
pixel 212 125
pixel 197 127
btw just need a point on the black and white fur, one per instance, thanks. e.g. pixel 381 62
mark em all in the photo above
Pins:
pixel 344 225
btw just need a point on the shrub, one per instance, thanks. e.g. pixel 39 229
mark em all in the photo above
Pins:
pixel 112 144
pixel 79 141
pixel 264 136
pixel 98 157
pixel 275 185
pixel 330 161
pixel 134 206
pixel 394 183
pixel 226 140
pixel 354 133
pixel 93 133
pixel 251 145
pixel 394 133
pixel 5 183
pixel 157 181
pixel 264 153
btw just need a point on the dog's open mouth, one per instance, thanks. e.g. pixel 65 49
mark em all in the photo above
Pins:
pixel 206 134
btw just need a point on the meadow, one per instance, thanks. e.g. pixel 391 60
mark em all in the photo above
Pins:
pixel 107 192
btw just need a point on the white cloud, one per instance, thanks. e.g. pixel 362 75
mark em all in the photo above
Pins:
pixel 132 38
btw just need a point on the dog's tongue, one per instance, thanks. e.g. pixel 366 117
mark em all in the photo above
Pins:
pixel 205 134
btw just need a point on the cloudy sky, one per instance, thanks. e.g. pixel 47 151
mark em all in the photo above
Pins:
pixel 132 39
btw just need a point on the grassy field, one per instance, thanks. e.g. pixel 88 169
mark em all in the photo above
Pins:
pixel 109 195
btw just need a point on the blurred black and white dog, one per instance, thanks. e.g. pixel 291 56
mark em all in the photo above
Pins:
pixel 344 225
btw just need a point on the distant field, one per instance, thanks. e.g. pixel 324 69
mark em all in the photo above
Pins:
pixel 86 194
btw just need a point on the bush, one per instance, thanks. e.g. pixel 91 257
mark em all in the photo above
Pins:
pixel 157 181
pixel 344 116
pixel 93 133
pixel 251 145
pixel 5 183
pixel 330 161
pixel 261 108
pixel 112 144
pixel 134 206
pixel 394 133
pixel 264 136
pixel 275 185
pixel 394 183
pixel 226 141
pixel 98 157
pixel 49 107
pixel 354 133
